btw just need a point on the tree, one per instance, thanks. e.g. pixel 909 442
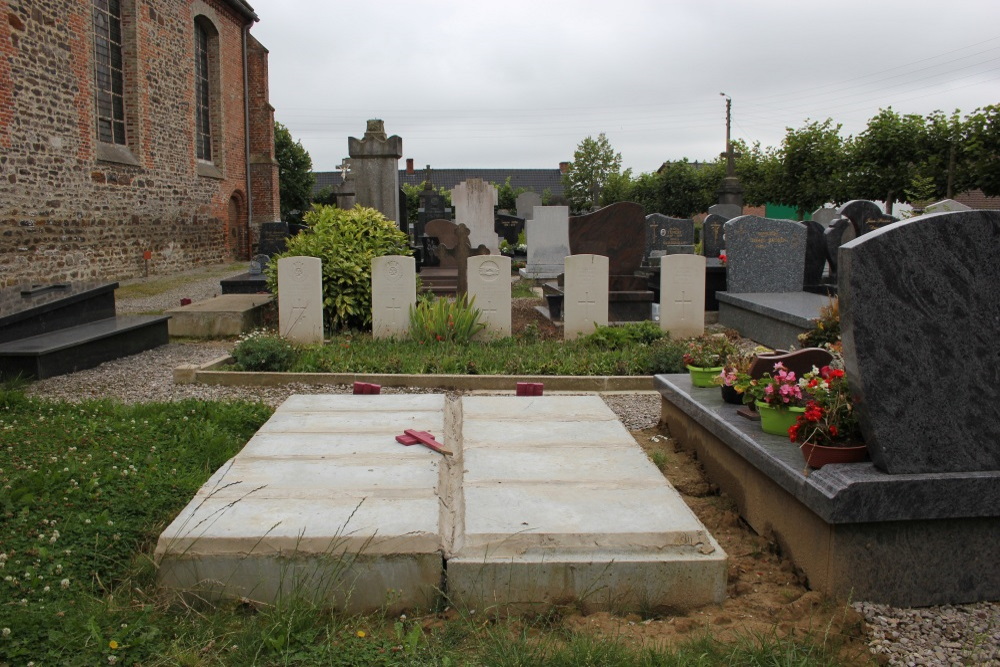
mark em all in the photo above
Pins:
pixel 887 155
pixel 811 169
pixel 295 177
pixel 594 162
pixel 946 157
pixel 683 190
pixel 619 187
pixel 759 171
pixel 983 131
pixel 507 195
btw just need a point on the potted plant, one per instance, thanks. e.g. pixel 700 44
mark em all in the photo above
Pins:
pixel 828 431
pixel 736 366
pixel 777 396
pixel 705 357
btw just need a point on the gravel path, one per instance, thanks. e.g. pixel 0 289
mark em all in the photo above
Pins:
pixel 945 635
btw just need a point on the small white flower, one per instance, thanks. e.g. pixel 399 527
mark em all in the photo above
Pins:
pixel 64 583
pixel 5 632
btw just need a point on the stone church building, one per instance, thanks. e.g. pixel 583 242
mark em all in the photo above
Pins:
pixel 131 128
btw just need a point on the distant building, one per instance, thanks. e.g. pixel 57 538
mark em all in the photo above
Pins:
pixel 130 127
pixel 978 200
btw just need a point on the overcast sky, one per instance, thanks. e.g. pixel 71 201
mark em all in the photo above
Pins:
pixel 520 84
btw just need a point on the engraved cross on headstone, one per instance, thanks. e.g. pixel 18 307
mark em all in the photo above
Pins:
pixel 684 305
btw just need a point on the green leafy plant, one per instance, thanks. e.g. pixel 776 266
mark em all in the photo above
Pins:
pixel 346 241
pixel 264 351
pixel 829 419
pixel 827 330
pixel 709 351
pixel 445 320
pixel 630 333
pixel 667 356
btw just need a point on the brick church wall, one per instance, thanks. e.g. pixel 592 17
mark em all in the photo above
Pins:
pixel 70 208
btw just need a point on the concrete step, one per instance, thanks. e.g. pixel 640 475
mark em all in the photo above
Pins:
pixel 84 346
pixel 547 499
pixel 226 315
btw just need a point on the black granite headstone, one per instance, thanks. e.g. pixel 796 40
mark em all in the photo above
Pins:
pixel 815 253
pixel 877 222
pixel 919 304
pixel 712 241
pixel 432 207
pixel 273 238
pixel 837 234
pixel 509 227
pixel 858 211
pixel 666 235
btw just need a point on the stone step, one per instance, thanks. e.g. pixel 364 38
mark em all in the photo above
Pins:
pixel 84 346
pixel 546 499
pixel 32 311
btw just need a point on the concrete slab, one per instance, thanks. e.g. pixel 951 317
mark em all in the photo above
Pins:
pixel 322 503
pixel 225 315
pixel 547 499
pixel 557 500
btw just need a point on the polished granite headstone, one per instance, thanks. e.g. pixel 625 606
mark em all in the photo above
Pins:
pixel 858 211
pixel 878 221
pixel 765 255
pixel 508 227
pixel 837 234
pixel 815 253
pixel 618 232
pixel 31 310
pixel 667 236
pixel 712 241
pixel 273 238
pixel 919 304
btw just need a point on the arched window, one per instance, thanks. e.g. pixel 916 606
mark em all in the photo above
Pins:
pixel 202 92
pixel 108 71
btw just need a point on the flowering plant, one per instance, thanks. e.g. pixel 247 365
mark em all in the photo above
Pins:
pixel 829 419
pixel 738 364
pixel 709 351
pixel 722 258
pixel 780 388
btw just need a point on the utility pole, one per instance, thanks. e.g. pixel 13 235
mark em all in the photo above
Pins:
pixel 730 192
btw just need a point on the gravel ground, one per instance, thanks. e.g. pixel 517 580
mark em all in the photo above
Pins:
pixel 945 635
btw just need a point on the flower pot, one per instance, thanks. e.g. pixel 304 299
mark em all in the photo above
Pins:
pixel 777 420
pixel 817 456
pixel 703 377
pixel 730 395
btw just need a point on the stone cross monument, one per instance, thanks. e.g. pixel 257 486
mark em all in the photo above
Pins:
pixel 374 165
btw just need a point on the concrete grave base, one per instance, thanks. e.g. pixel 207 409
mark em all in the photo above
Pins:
pixel 545 500
pixel 226 315
pixel 908 540
pixel 772 319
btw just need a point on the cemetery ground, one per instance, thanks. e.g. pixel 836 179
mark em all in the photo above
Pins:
pixel 87 487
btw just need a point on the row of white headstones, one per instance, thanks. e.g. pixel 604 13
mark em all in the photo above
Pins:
pixel 394 292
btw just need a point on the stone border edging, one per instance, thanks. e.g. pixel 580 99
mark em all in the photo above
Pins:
pixel 209 373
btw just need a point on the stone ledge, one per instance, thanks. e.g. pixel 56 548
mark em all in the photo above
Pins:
pixel 211 373
pixel 838 494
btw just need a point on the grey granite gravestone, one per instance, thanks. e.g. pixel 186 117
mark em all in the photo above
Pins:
pixel 815 253
pixel 919 304
pixel 837 234
pixel 858 211
pixel 526 203
pixel 764 255
pixel 712 240
pixel 667 236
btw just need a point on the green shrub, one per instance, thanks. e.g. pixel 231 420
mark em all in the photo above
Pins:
pixel 444 320
pixel 667 356
pixel 265 352
pixel 625 335
pixel 346 241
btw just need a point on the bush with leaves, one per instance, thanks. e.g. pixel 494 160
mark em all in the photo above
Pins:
pixel 346 240
pixel 264 351
pixel 445 320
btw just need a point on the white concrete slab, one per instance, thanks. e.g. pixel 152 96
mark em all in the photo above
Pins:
pixel 561 504
pixel 547 499
pixel 323 502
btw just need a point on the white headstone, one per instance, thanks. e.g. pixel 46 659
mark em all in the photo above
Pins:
pixel 586 294
pixel 547 233
pixel 682 295
pixel 474 201
pixel 489 283
pixel 946 206
pixel 300 299
pixel 526 202
pixel 394 291
pixel 824 215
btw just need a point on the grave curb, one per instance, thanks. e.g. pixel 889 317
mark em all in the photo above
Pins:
pixel 209 373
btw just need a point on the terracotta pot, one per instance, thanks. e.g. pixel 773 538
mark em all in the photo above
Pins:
pixel 817 456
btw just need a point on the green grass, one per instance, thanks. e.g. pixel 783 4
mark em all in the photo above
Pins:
pixel 86 488
pixel 635 349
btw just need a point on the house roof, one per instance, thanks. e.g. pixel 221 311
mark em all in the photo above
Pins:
pixel 978 200
pixel 536 180
pixel 243 9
